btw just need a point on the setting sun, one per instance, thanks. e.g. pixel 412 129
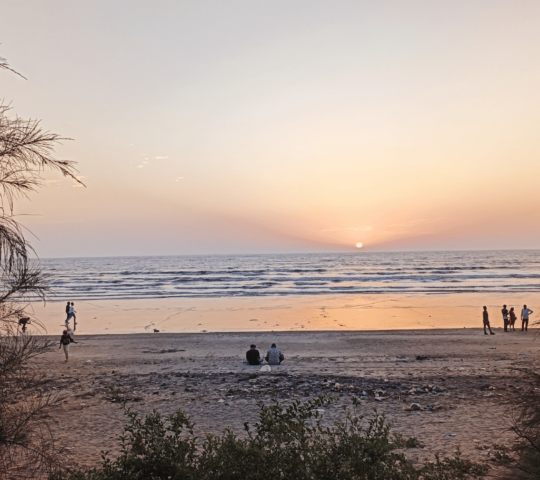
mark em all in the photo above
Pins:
pixel 359 245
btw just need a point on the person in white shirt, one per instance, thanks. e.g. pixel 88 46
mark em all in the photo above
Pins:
pixel 525 318
pixel 274 355
pixel 71 314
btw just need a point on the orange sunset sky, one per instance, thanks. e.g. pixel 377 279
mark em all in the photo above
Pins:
pixel 205 127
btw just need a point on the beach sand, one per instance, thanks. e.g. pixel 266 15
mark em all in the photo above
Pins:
pixel 283 313
pixel 478 378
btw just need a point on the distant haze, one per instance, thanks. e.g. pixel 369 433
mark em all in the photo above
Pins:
pixel 205 127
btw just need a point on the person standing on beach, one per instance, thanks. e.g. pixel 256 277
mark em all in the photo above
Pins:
pixel 525 317
pixel 485 316
pixel 504 312
pixel 512 320
pixel 65 340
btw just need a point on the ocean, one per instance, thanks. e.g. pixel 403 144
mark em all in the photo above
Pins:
pixel 294 274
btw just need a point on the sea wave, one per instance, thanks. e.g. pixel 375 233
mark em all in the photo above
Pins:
pixel 313 274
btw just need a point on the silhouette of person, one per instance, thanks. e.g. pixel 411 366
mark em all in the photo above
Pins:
pixel 485 317
pixel 253 356
pixel 512 319
pixel 504 312
pixel 67 313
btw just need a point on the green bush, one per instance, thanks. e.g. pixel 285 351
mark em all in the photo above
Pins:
pixel 526 425
pixel 286 443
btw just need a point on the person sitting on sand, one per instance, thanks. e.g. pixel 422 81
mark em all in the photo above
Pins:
pixel 253 356
pixel 512 319
pixel 525 317
pixel 65 340
pixel 485 316
pixel 274 355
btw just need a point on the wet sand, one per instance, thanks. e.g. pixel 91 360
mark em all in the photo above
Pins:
pixel 471 381
pixel 284 313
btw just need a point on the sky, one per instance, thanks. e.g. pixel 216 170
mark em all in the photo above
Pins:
pixel 208 127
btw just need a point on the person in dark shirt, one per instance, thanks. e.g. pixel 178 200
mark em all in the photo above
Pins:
pixel 65 340
pixel 504 312
pixel 485 316
pixel 23 322
pixel 253 356
pixel 67 314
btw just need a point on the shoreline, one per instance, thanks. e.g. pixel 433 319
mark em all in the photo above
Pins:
pixel 351 313
pixel 532 331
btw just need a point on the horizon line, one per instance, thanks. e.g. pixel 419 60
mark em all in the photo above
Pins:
pixel 357 251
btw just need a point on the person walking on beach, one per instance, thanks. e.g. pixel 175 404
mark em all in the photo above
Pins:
pixel 512 319
pixel 525 317
pixel 71 313
pixel 504 312
pixel 67 313
pixel 485 316
pixel 65 340
pixel 253 356
pixel 274 355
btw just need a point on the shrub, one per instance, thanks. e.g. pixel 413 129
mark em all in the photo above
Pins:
pixel 526 425
pixel 286 443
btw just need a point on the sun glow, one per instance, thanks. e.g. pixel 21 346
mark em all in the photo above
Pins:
pixel 310 146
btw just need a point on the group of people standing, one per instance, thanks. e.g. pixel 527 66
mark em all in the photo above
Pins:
pixel 509 319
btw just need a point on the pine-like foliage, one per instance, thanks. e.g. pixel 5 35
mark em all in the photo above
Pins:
pixel 27 448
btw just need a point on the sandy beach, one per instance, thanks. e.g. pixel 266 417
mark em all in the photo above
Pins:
pixel 469 380
pixel 283 313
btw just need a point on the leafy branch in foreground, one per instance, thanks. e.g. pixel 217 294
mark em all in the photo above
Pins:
pixel 287 442
pixel 27 448
pixel 5 65
pixel 26 151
